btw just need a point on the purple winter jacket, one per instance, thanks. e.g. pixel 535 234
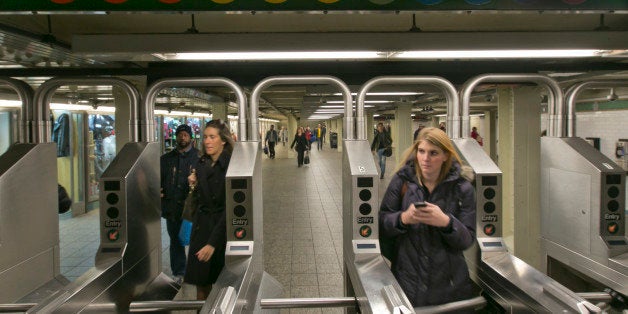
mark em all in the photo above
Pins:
pixel 428 261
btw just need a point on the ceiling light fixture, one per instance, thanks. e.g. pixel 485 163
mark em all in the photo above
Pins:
pixel 384 55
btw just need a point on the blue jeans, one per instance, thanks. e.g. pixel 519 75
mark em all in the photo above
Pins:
pixel 382 161
pixel 177 251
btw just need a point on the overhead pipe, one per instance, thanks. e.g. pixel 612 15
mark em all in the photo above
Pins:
pixel 295 80
pixel 451 96
pixel 25 94
pixel 572 94
pixel 148 114
pixel 556 110
pixel 44 94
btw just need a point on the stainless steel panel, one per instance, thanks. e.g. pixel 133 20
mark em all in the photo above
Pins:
pixel 582 202
pixel 129 257
pixel 366 272
pixel 512 283
pixel 29 225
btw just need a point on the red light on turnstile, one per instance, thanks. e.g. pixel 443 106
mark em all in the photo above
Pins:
pixel 612 228
pixel 489 229
pixel 365 231
pixel 239 233
pixel 113 235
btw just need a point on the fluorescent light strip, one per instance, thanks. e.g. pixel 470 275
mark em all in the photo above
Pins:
pixel 492 54
pixel 385 55
pixel 10 103
pixel 266 55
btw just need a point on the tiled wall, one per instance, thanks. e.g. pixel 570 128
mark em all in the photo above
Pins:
pixel 609 126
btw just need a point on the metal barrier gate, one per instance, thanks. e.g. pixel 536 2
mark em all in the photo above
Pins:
pixel 29 228
pixel 369 283
pixel 128 259
pixel 513 284
pixel 583 201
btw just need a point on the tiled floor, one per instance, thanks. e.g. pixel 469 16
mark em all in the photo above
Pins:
pixel 302 228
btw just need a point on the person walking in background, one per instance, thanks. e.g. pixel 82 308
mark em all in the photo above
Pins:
pixel 475 135
pixel 175 169
pixel 442 127
pixel 430 236
pixel 300 143
pixel 208 241
pixel 380 142
pixel 323 133
pixel 416 132
pixel 308 137
pixel 271 138
pixel 319 137
pixel 283 134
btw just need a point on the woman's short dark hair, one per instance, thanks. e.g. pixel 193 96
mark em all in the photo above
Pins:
pixel 224 132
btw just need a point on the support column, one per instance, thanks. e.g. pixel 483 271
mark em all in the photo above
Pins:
pixel 219 111
pixel 519 155
pixel 402 131
pixel 292 128
pixel 369 126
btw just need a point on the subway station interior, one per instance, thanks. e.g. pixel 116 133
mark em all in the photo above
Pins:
pixel 91 93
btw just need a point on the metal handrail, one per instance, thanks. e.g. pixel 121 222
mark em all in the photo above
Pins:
pixel 156 87
pixel 25 94
pixel 572 94
pixel 17 307
pixel 452 306
pixel 555 127
pixel 307 79
pixel 451 95
pixel 44 94
pixel 287 303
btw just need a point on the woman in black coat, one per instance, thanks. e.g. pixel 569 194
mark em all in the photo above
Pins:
pixel 301 145
pixel 206 256
pixel 429 240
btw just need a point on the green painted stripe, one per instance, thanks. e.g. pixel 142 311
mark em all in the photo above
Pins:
pixel 601 106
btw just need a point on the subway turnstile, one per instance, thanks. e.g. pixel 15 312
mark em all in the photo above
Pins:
pixel 243 282
pixel 367 275
pixel 510 282
pixel 128 265
pixel 29 227
pixel 584 222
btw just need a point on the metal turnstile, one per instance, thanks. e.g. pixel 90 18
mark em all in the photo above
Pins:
pixel 29 227
pixel 583 198
pixel 510 282
pixel 127 264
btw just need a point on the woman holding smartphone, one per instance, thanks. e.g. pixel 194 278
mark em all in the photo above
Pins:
pixel 429 211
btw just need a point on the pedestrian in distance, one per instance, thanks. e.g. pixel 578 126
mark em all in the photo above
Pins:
pixel 300 144
pixel 428 212
pixel 206 257
pixel 175 168
pixel 271 139
pixel 381 141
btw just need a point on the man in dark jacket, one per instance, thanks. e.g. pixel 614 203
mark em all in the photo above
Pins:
pixel 381 141
pixel 429 241
pixel 175 169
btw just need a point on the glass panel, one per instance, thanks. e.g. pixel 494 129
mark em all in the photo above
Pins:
pixel 6 124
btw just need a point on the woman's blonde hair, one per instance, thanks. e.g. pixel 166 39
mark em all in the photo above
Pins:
pixel 438 138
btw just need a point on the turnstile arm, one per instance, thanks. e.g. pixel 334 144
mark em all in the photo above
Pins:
pixel 571 299
pixel 291 303
pixel 453 306
pixel 17 307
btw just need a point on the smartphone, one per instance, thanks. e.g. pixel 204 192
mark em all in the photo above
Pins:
pixel 419 204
